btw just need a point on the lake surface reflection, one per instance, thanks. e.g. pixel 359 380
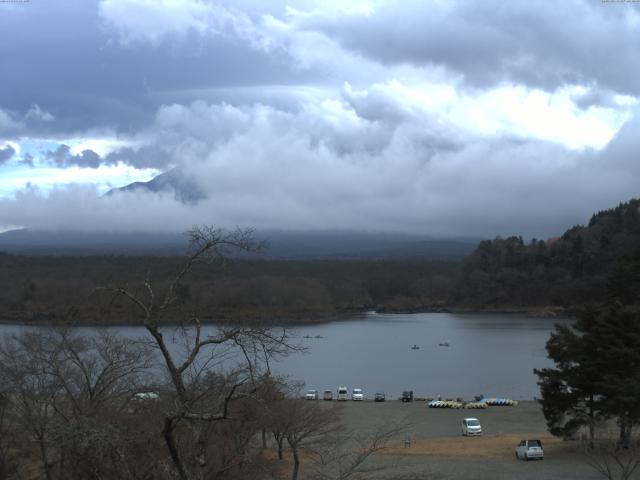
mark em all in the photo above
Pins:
pixel 490 354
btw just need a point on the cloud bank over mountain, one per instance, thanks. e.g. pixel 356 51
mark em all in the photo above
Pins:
pixel 442 118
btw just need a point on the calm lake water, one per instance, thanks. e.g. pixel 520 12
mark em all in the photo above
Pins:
pixel 490 354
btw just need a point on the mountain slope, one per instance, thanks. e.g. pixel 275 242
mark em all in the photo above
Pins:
pixel 183 187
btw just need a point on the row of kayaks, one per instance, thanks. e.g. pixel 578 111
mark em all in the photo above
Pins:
pixel 500 402
pixel 484 403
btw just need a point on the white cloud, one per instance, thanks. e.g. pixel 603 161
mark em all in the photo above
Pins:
pixel 153 21
pixel 46 179
pixel 150 20
pixel 456 116
pixel 8 123
pixel 327 166
pixel 36 113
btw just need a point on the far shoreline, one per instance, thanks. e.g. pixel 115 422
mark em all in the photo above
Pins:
pixel 300 321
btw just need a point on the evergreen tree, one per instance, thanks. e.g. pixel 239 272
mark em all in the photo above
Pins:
pixel 570 398
pixel 597 372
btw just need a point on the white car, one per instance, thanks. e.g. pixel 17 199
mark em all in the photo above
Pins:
pixel 311 394
pixel 357 394
pixel 529 450
pixel 146 396
pixel 343 393
pixel 471 427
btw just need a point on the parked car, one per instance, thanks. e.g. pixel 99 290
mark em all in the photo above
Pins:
pixel 312 394
pixel 379 397
pixel 407 396
pixel 529 450
pixel 471 426
pixel 343 393
pixel 142 400
pixel 357 394
pixel 328 395
pixel 146 396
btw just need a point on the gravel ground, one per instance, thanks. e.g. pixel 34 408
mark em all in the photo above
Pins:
pixel 438 449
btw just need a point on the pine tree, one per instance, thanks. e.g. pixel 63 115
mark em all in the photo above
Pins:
pixel 597 372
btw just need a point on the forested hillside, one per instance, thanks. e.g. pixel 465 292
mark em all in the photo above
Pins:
pixel 549 276
pixel 63 289
pixel 564 272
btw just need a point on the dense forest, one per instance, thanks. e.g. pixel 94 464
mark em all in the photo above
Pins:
pixel 547 277
pixel 66 289
pixel 565 272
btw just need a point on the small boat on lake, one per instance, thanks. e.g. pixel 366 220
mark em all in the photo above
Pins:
pixel 415 347
pixel 444 344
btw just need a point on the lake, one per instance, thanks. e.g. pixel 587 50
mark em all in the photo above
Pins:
pixel 489 354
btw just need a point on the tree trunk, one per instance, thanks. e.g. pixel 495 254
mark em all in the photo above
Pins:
pixel 44 458
pixel 264 438
pixel 167 433
pixel 201 450
pixel 279 441
pixel 296 463
pixel 625 431
pixel 592 420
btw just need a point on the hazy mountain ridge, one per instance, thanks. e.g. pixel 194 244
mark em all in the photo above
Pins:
pixel 280 244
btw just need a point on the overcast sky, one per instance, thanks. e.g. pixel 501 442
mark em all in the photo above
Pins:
pixel 444 118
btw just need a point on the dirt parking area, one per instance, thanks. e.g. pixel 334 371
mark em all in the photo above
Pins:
pixel 437 449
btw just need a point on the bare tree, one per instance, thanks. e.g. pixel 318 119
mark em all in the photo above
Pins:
pixel 607 456
pixel 350 455
pixel 5 462
pixel 200 398
pixel 67 393
pixel 95 372
pixel 32 395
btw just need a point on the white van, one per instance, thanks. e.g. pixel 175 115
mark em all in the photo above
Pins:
pixel 357 394
pixel 343 393
pixel 471 426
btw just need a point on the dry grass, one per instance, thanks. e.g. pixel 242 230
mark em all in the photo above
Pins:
pixel 486 446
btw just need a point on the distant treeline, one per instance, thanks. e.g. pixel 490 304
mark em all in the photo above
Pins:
pixel 506 273
pixel 67 289
pixel 567 272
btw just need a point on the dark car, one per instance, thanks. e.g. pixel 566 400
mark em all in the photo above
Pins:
pixel 407 396
pixel 379 397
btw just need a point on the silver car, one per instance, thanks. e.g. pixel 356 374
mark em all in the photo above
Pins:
pixel 471 427
pixel 529 450
pixel 357 394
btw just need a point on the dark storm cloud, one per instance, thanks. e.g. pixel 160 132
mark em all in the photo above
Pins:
pixel 66 60
pixel 6 154
pixel 63 158
pixel 395 152
pixel 147 156
pixel 82 71
pixel 541 44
